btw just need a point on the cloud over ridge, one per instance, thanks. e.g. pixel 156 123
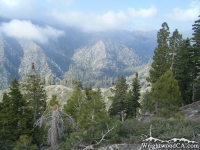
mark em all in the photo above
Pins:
pixel 91 21
pixel 25 30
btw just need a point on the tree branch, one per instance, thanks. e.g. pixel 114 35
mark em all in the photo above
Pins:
pixel 104 134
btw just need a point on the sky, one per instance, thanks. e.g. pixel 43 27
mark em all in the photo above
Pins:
pixel 95 15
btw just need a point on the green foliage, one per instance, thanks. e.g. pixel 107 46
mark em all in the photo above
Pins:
pixel 163 129
pixel 74 103
pixel 175 45
pixel 132 101
pixel 119 97
pixel 182 71
pixel 25 143
pixel 14 116
pixel 92 119
pixel 89 77
pixel 166 93
pixel 178 116
pixel 53 101
pixel 195 57
pixel 147 104
pixel 161 59
pixel 167 129
pixel 35 94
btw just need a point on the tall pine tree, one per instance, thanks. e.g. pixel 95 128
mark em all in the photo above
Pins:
pixel 119 98
pixel 134 95
pixel 75 101
pixel 14 120
pixel 182 71
pixel 175 44
pixel 35 95
pixel 195 56
pixel 161 59
pixel 166 92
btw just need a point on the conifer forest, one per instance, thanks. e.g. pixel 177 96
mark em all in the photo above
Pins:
pixel 28 121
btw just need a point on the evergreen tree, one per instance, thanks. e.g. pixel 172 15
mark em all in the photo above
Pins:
pixel 53 101
pixel 35 95
pixel 182 71
pixel 161 59
pixel 75 101
pixel 25 143
pixel 14 116
pixel 5 127
pixel 132 101
pixel 195 56
pixel 119 98
pixel 147 103
pixel 93 116
pixel 93 121
pixel 88 90
pixel 175 44
pixel 166 92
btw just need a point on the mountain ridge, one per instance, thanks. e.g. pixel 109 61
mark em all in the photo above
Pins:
pixel 96 58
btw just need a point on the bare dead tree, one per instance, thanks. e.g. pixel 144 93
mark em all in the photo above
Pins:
pixel 54 119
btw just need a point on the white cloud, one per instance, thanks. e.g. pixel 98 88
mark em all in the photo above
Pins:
pixel 10 3
pixel 54 12
pixel 143 13
pixel 60 2
pixel 185 15
pixel 25 30
pixel 93 22
pixel 22 9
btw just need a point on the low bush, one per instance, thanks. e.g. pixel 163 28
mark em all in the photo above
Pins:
pixel 133 130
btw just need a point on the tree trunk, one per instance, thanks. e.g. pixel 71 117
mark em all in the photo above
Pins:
pixel 156 107
pixel 172 63
pixel 122 115
pixel 54 131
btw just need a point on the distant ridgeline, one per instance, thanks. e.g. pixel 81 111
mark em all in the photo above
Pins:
pixel 96 59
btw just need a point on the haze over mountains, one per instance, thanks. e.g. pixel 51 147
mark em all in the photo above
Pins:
pixel 95 58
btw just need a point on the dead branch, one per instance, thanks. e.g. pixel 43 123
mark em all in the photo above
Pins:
pixel 53 119
pixel 104 134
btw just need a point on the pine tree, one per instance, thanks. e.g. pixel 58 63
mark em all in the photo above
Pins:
pixel 35 95
pixel 175 44
pixel 147 104
pixel 14 117
pixel 166 92
pixel 5 127
pixel 161 59
pixel 132 102
pixel 93 116
pixel 195 56
pixel 119 98
pixel 182 71
pixel 93 121
pixel 53 101
pixel 75 101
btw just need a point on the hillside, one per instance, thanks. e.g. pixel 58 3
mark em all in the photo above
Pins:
pixel 95 58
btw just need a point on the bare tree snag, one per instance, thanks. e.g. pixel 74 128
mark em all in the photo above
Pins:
pixel 54 120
